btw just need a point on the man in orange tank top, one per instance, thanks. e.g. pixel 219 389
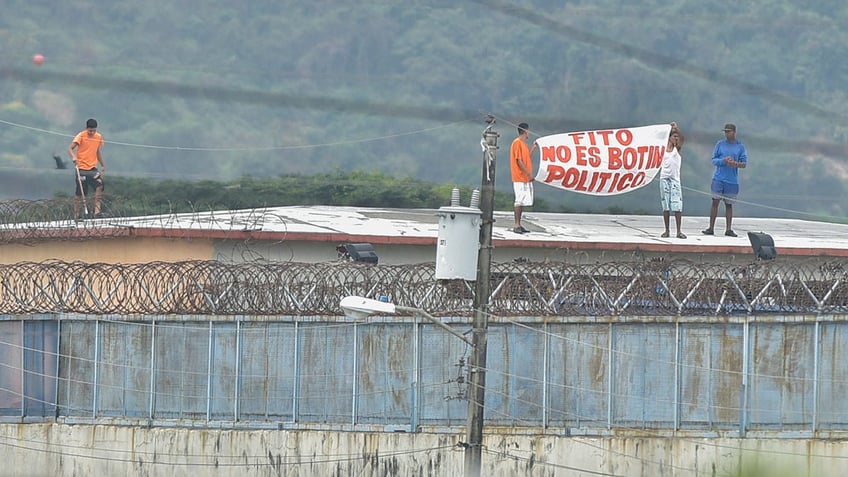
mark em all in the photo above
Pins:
pixel 85 152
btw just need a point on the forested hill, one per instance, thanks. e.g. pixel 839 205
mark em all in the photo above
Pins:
pixel 218 90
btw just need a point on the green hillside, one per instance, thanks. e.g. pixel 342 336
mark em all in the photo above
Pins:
pixel 212 90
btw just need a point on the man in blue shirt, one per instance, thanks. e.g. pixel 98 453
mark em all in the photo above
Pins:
pixel 729 156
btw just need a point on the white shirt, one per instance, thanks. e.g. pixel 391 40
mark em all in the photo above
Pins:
pixel 671 165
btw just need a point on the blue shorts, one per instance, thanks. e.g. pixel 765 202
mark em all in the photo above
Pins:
pixel 724 190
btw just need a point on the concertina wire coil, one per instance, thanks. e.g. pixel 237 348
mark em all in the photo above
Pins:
pixel 652 288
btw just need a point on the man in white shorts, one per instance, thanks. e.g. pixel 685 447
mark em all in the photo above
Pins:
pixel 671 195
pixel 521 166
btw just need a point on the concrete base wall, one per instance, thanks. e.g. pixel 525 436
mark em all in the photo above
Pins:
pixel 60 449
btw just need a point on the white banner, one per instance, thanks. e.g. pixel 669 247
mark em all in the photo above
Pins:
pixel 603 162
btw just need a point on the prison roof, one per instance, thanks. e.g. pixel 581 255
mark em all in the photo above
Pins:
pixel 547 230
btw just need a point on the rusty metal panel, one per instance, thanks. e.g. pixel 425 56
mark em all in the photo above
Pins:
pixel 710 375
pixel 76 368
pixel 181 366
pixel 643 375
pixel 833 377
pixel 515 379
pixel 326 372
pixel 11 360
pixel 40 367
pixel 124 369
pixel 386 373
pixel 687 375
pixel 444 378
pixel 578 374
pixel 782 376
pixel 223 372
pixel 268 371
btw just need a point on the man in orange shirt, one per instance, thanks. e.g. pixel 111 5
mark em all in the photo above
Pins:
pixel 85 152
pixel 521 165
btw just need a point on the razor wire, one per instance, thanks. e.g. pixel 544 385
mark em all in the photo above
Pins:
pixel 651 288
pixel 30 221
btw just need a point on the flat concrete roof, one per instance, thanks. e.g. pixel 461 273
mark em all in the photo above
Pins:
pixel 420 227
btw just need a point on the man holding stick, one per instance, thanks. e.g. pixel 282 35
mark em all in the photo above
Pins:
pixel 85 152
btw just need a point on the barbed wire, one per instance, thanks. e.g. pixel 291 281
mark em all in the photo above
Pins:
pixel 32 221
pixel 653 288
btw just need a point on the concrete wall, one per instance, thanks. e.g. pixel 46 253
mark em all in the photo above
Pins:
pixel 399 254
pixel 149 249
pixel 110 250
pixel 106 450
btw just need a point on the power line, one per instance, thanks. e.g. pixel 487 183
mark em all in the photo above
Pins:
pixel 547 463
pixel 240 95
pixel 249 149
pixel 629 51
pixel 218 460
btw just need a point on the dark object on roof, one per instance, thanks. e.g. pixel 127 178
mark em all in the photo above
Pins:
pixel 358 252
pixel 763 245
pixel 60 164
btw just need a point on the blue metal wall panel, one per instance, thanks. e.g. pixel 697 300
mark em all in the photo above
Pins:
pixel 385 374
pixel 787 376
pixel 76 368
pixel 124 369
pixel 643 375
pixel 326 371
pixel 181 370
pixel 443 365
pixel 578 374
pixel 268 371
pixel 515 375
pixel 11 362
pixel 223 378
pixel 40 367
pixel 710 375
pixel 782 376
pixel 832 404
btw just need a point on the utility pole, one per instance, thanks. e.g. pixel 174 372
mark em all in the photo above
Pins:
pixel 477 361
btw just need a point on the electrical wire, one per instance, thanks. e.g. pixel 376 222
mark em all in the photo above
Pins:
pixel 653 59
pixel 831 218
pixel 495 411
pixel 97 453
pixel 384 137
pixel 796 212
pixel 546 463
pixel 77 362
